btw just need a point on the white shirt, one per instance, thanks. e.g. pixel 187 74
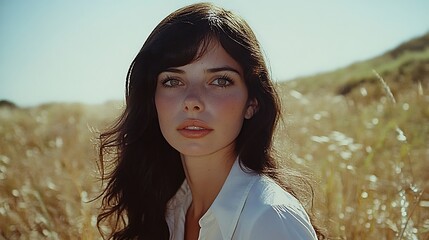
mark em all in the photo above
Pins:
pixel 248 207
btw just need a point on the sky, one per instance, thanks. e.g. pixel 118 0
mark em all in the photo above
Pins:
pixel 80 51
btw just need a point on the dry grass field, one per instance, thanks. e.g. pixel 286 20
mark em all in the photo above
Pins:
pixel 371 161
pixel 367 151
pixel 47 171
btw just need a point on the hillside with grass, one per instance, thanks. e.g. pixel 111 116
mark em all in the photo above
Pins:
pixel 362 136
pixel 364 131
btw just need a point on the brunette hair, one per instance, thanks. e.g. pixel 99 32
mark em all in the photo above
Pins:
pixel 143 172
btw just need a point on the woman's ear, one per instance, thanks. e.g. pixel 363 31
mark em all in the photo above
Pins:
pixel 252 108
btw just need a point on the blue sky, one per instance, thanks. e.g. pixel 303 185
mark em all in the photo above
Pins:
pixel 79 51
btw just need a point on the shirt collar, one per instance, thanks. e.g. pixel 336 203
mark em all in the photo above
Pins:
pixel 230 201
pixel 226 208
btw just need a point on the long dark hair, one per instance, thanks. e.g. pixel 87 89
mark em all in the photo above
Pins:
pixel 143 172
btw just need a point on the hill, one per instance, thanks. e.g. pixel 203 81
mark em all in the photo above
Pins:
pixel 401 67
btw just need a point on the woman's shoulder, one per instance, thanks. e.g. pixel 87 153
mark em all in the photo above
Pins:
pixel 267 193
pixel 270 212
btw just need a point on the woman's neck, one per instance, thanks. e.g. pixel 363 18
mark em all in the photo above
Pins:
pixel 206 176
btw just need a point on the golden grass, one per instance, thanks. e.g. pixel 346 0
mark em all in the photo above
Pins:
pixel 370 157
pixel 47 171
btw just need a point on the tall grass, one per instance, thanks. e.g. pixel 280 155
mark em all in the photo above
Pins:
pixel 47 175
pixel 370 156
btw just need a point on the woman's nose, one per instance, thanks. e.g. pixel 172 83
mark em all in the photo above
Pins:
pixel 193 101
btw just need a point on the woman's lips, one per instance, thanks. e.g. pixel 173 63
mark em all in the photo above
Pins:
pixel 194 128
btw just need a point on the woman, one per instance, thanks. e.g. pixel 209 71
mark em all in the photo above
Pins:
pixel 193 145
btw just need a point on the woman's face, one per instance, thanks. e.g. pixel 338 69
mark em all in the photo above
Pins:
pixel 201 106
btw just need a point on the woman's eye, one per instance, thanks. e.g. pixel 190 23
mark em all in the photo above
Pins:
pixel 171 82
pixel 222 82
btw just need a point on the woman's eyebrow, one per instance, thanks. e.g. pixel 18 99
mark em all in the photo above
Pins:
pixel 221 69
pixel 209 70
pixel 173 70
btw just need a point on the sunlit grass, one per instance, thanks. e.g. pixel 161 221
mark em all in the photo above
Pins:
pixel 47 173
pixel 371 157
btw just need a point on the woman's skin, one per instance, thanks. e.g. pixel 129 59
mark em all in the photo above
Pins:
pixel 201 108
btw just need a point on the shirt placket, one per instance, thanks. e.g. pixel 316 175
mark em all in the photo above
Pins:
pixel 205 223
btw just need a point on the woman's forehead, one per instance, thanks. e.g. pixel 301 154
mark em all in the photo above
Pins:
pixel 212 56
